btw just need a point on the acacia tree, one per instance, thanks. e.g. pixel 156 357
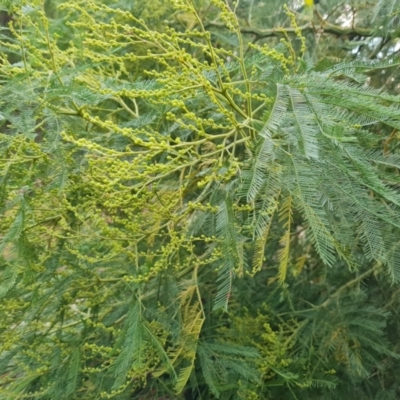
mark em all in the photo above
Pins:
pixel 194 207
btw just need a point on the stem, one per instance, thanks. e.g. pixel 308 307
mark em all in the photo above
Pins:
pixel 124 106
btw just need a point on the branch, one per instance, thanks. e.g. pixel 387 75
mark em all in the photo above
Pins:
pixel 334 295
pixel 346 286
pixel 324 27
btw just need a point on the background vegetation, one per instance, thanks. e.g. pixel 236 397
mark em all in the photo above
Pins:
pixel 199 200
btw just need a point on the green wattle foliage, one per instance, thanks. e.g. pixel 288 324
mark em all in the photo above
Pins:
pixel 185 220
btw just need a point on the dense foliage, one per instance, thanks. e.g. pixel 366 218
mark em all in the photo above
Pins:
pixel 196 203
